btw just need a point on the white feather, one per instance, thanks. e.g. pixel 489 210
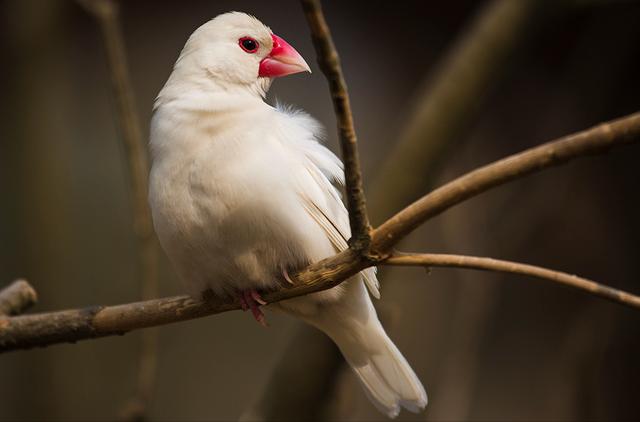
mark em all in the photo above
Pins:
pixel 240 190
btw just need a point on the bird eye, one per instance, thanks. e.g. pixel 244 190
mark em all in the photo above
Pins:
pixel 248 44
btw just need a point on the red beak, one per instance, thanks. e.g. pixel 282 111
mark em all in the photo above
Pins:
pixel 282 60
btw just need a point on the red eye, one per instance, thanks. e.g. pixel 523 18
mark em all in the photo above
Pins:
pixel 248 44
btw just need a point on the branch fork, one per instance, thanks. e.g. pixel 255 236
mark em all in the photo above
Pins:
pixel 366 248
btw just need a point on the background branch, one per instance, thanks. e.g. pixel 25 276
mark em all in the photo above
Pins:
pixel 450 98
pixel 106 13
pixel 319 359
pixel 497 265
pixel 66 213
pixel 17 297
pixel 329 62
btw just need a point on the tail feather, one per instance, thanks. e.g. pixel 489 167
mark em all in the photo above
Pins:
pixel 387 378
pixel 379 393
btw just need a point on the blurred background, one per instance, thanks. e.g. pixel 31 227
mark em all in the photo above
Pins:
pixel 437 88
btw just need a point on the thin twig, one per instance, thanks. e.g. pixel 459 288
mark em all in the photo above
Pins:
pixel 447 99
pixel 68 326
pixel 17 297
pixel 106 13
pixel 39 330
pixel 329 62
pixel 490 264
pixel 596 140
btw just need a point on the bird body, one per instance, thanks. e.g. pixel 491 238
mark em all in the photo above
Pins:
pixel 241 194
pixel 229 202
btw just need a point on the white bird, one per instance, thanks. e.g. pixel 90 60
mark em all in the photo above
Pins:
pixel 241 194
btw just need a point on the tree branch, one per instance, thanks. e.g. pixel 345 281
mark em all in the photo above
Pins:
pixel 598 139
pixel 68 326
pixel 106 13
pixel 490 264
pixel 73 325
pixel 329 62
pixel 17 298
pixel 446 101
pixel 27 331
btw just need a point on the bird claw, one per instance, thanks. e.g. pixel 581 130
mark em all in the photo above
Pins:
pixel 251 300
pixel 286 276
pixel 256 296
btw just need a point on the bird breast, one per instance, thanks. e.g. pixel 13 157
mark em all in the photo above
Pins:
pixel 226 209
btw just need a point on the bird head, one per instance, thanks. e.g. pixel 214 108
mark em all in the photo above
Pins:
pixel 237 50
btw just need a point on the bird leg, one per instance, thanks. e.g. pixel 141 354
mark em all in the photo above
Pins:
pixel 251 300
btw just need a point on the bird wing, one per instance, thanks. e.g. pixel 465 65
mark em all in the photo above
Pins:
pixel 318 195
pixel 333 217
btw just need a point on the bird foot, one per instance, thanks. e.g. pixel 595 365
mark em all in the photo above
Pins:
pixel 251 300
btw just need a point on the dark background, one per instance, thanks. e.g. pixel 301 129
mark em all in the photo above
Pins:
pixel 486 346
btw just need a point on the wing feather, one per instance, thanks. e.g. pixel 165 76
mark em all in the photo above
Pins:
pixel 336 228
pixel 325 206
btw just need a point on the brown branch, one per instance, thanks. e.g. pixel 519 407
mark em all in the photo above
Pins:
pixel 329 62
pixel 68 326
pixel 43 329
pixel 17 298
pixel 498 265
pixel 598 139
pixel 23 332
pixel 448 98
pixel 106 13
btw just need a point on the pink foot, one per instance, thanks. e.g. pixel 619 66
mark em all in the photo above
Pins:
pixel 250 299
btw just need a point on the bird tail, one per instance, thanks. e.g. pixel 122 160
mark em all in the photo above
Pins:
pixel 387 378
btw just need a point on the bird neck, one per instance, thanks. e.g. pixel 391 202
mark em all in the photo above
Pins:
pixel 204 109
pixel 191 81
